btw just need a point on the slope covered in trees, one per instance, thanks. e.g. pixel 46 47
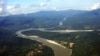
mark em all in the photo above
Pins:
pixel 87 44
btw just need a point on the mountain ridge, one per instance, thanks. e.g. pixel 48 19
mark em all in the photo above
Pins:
pixel 76 19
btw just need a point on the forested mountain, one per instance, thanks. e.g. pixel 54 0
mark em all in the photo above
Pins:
pixel 39 19
pixel 10 44
pixel 87 20
pixel 75 19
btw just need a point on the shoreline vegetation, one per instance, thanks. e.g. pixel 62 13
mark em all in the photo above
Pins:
pixel 81 43
pixel 12 45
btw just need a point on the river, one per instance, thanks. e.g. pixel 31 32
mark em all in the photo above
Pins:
pixel 58 49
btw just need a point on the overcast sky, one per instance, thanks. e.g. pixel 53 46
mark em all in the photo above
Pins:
pixel 27 6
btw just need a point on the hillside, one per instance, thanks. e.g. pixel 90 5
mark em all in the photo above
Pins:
pixel 69 19
pixel 40 19
pixel 75 19
pixel 87 20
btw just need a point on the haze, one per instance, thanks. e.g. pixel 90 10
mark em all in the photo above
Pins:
pixel 28 6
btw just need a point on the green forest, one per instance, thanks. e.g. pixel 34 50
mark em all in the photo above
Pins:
pixel 12 45
pixel 86 43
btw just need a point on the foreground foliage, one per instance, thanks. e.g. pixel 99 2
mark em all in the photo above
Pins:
pixel 12 45
pixel 86 43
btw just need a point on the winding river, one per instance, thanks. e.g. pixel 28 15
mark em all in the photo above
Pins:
pixel 58 49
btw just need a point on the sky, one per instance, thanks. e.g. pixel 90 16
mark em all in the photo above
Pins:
pixel 28 6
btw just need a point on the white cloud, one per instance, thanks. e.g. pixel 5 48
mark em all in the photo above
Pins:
pixel 94 6
pixel 54 8
pixel 0 9
pixel 43 4
pixel 10 7
pixel 19 9
pixel 14 9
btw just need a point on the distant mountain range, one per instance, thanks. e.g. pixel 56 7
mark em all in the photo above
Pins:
pixel 75 19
